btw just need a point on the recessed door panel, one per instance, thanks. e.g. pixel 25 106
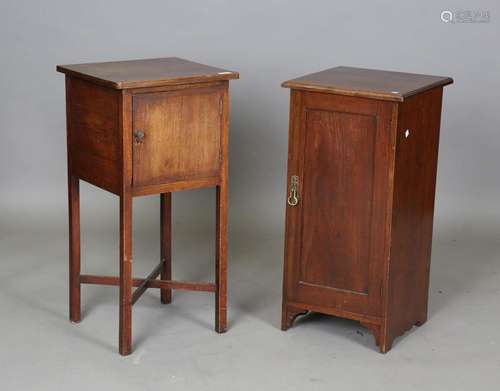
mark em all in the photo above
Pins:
pixel 337 197
pixel 341 152
pixel 177 135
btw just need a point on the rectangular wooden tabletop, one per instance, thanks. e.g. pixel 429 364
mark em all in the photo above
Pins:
pixel 369 83
pixel 155 72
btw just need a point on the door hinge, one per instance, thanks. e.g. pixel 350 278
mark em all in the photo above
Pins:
pixel 221 105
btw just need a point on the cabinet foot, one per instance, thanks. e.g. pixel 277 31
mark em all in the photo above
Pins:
pixel 375 329
pixel 383 341
pixel 386 345
pixel 289 315
pixel 420 322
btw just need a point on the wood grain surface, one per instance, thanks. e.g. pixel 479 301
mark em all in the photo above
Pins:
pixel 146 73
pixel 368 83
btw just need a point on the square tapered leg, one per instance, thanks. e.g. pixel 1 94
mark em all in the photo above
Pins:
pixel 125 337
pixel 74 248
pixel 221 260
pixel 166 244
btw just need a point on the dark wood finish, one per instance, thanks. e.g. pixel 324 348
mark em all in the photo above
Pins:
pixel 289 315
pixel 147 127
pixel 357 244
pixel 125 334
pixel 144 286
pixel 125 324
pixel 156 72
pixel 343 202
pixel 413 210
pixel 329 310
pixel 166 243
pixel 344 214
pixel 74 222
pixel 94 148
pixel 368 83
pixel 189 184
pixel 74 249
pixel 221 228
pixel 159 284
pixel 335 249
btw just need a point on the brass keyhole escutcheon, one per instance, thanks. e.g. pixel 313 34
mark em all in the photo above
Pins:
pixel 293 197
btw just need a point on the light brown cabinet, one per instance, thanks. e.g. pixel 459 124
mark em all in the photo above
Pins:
pixel 139 128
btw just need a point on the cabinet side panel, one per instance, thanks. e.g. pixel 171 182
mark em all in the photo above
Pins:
pixel 94 142
pixel 414 189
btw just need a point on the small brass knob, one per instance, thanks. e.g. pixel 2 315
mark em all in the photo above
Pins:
pixel 139 136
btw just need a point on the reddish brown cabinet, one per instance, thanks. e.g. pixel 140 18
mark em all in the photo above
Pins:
pixel 362 168
pixel 147 127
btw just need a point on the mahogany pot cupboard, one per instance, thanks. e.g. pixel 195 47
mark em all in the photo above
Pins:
pixel 146 127
pixel 362 165
pixel 362 159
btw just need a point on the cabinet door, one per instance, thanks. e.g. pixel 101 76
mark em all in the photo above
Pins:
pixel 179 135
pixel 341 150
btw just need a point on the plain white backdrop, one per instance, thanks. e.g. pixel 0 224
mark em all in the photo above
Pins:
pixel 267 42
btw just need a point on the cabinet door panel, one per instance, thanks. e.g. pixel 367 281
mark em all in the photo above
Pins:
pixel 342 151
pixel 182 135
pixel 337 199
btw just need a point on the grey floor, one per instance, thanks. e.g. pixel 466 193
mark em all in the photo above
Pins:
pixel 175 347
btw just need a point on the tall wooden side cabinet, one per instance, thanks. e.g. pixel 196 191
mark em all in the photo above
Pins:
pixel 362 161
pixel 145 127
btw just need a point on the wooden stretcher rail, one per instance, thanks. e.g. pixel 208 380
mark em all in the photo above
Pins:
pixel 143 287
pixel 160 284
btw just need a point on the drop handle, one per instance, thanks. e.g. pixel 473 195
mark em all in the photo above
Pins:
pixel 293 197
pixel 139 136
